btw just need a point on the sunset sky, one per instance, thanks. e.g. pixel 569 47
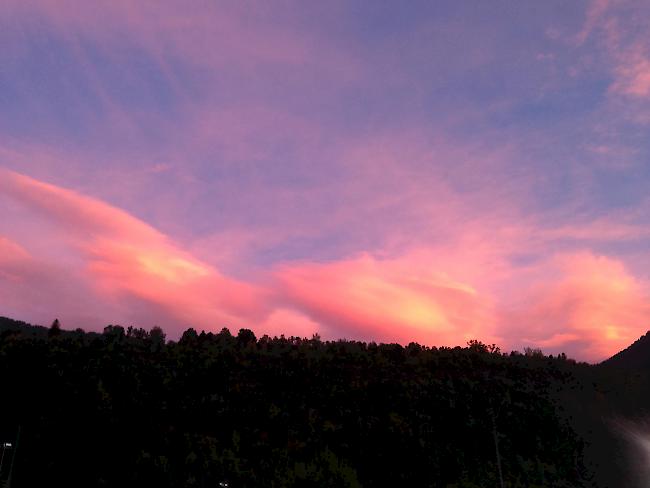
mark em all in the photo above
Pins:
pixel 432 171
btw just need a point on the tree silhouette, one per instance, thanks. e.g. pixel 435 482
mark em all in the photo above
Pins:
pixel 55 329
pixel 129 408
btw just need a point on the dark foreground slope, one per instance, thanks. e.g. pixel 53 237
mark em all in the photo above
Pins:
pixel 127 408
pixel 636 357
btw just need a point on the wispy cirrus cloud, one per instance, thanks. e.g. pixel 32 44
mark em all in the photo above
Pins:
pixel 633 74
pixel 617 25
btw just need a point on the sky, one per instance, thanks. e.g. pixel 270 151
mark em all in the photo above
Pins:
pixel 382 171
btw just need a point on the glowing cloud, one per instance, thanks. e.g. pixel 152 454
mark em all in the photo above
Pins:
pixel 589 307
pixel 329 169
pixel 581 303
pixel 125 256
pixel 403 300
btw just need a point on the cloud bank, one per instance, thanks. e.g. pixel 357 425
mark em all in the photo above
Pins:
pixel 582 303
pixel 430 171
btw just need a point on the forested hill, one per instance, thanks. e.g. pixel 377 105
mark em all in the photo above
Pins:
pixel 129 408
pixel 634 357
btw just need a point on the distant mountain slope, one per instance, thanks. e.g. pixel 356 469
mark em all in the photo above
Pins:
pixel 636 356
pixel 11 325
pixel 8 326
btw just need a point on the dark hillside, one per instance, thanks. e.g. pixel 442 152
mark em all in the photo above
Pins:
pixel 128 408
pixel 634 357
pixel 8 326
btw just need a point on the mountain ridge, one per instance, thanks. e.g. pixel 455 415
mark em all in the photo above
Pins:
pixel 635 356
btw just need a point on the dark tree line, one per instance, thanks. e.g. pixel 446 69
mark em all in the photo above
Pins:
pixel 129 408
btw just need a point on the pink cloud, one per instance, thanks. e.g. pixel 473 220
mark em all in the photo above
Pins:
pixel 633 76
pixel 603 229
pixel 11 251
pixel 288 322
pixel 434 238
pixel 619 27
pixel 13 258
pixel 460 287
pixel 39 290
pixel 403 299
pixel 590 307
pixel 126 259
pixel 586 305
pixel 594 15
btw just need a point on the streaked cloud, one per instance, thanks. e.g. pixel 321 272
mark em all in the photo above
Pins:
pixel 399 300
pixel 123 256
pixel 581 303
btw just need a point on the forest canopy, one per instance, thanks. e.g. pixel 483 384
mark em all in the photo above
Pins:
pixel 128 407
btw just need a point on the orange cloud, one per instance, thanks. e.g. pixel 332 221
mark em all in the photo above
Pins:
pixel 591 308
pixel 477 282
pixel 402 299
pixel 586 305
pixel 126 257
